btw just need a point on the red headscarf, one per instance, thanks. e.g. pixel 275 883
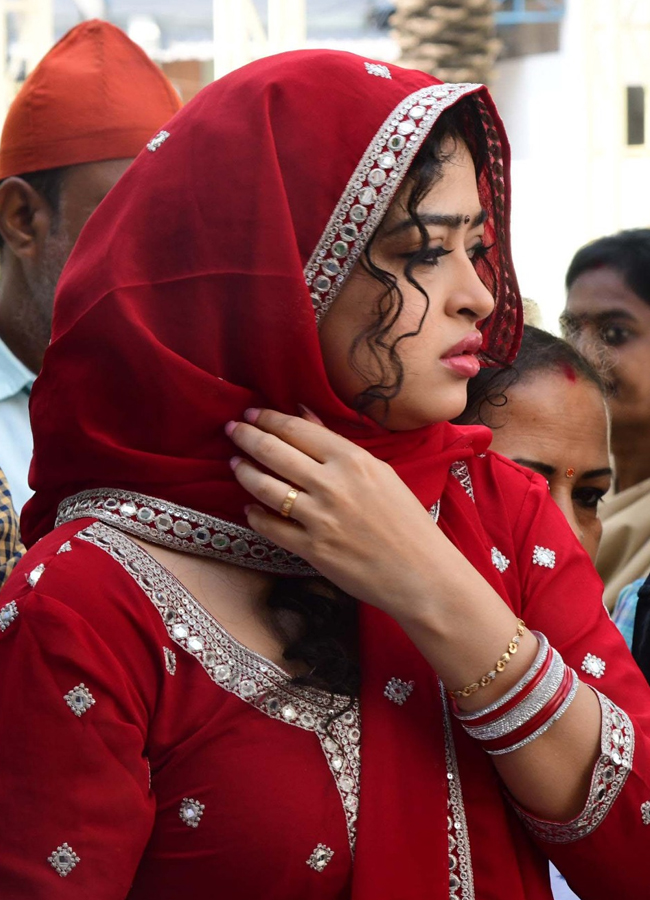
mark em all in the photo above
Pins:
pixel 194 292
pixel 195 288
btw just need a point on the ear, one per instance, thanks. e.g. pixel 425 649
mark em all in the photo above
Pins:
pixel 25 217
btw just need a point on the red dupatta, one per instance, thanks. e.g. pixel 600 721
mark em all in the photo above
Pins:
pixel 195 291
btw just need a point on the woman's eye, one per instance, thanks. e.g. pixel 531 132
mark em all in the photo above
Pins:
pixel 432 255
pixel 588 498
pixel 479 251
pixel 615 335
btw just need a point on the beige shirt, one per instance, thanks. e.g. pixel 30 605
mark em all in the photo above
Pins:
pixel 624 553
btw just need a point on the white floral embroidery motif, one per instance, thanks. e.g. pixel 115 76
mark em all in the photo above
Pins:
pixel 170 660
pixel 645 812
pixel 398 691
pixel 79 699
pixel 320 857
pixel 8 614
pixel 499 561
pixel 64 548
pixel 542 556
pixel 63 860
pixel 593 665
pixel 35 574
pixel 157 141
pixel 191 812
pixel 375 69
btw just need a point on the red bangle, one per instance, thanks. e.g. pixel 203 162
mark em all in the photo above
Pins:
pixel 538 720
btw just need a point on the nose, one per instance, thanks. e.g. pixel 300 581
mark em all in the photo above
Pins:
pixel 564 500
pixel 470 297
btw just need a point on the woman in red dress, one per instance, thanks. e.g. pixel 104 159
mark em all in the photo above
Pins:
pixel 283 631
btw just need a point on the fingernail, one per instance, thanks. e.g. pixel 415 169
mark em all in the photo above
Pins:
pixel 229 428
pixel 251 415
pixel 248 508
pixel 234 461
pixel 306 413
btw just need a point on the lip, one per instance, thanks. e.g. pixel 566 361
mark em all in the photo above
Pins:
pixel 462 357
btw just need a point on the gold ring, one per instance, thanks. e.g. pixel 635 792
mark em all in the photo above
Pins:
pixel 289 500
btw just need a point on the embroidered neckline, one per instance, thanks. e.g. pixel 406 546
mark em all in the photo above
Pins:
pixel 240 670
pixel 181 528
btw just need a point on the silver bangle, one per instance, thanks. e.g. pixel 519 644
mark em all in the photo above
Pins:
pixel 525 710
pixel 538 662
pixel 540 731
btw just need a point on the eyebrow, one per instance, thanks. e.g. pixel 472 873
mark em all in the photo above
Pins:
pixel 446 221
pixel 548 471
pixel 573 319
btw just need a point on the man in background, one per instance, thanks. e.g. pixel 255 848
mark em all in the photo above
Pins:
pixel 84 113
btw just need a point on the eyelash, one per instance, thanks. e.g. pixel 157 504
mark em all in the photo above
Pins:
pixel 432 255
pixel 589 498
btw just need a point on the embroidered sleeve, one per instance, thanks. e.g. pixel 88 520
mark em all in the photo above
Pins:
pixel 610 774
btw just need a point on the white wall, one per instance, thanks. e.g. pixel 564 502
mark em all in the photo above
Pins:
pixel 573 177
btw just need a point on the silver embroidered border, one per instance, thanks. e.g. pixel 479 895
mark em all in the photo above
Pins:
pixel 200 534
pixel 349 236
pixel 461 473
pixel 461 866
pixel 610 774
pixel 241 671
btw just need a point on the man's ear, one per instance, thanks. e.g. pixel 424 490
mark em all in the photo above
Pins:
pixel 25 217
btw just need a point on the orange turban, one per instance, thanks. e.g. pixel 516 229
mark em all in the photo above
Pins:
pixel 96 95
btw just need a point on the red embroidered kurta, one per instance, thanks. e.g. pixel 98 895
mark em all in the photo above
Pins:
pixel 165 760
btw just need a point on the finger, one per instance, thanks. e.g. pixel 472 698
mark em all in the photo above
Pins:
pixel 286 534
pixel 315 440
pixel 284 499
pixel 274 453
pixel 308 415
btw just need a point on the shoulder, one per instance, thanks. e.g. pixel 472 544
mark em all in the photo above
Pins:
pixel 503 485
pixel 71 596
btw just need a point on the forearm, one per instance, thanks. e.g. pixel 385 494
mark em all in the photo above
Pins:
pixel 462 632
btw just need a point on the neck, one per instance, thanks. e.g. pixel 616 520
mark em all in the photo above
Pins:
pixel 631 457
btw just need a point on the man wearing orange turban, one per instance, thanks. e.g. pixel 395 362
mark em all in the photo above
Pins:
pixel 81 117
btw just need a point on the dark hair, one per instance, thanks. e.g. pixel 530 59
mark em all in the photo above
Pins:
pixel 628 252
pixel 314 619
pixel 48 184
pixel 540 352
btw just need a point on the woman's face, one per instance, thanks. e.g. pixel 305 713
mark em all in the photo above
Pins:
pixel 556 424
pixel 439 359
pixel 610 324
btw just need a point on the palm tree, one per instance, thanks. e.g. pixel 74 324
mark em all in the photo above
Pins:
pixel 455 40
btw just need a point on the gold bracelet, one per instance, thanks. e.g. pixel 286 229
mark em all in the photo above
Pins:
pixel 499 666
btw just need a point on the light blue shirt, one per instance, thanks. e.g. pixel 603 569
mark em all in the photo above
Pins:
pixel 16 443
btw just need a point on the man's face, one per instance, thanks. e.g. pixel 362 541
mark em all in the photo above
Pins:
pixel 83 188
pixel 610 325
